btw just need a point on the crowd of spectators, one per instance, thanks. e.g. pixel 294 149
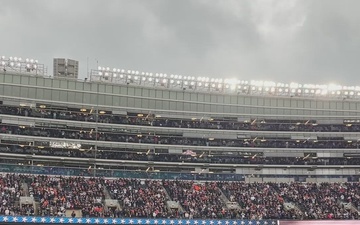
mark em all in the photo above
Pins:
pixel 199 123
pixel 56 195
pixel 323 200
pixel 11 190
pixel 166 139
pixel 257 200
pixel 199 200
pixel 148 198
pixel 140 198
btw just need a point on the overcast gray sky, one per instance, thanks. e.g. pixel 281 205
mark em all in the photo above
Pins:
pixel 306 41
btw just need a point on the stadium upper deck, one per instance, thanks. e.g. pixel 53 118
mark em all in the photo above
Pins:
pixel 128 121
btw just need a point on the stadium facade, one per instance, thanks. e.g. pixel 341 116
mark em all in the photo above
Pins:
pixel 131 125
pixel 271 127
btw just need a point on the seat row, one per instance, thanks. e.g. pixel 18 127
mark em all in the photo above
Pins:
pixel 141 119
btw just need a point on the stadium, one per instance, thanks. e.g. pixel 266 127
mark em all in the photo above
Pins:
pixel 130 147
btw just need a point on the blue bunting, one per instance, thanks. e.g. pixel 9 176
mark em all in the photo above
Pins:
pixel 131 221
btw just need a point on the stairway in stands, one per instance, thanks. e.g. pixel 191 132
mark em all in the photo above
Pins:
pixel 26 199
pixel 109 202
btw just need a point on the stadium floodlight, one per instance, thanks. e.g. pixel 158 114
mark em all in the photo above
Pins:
pixel 143 78
pixel 114 75
pixel 150 79
pixel 3 57
pixel 178 82
pixel 186 83
pixel 199 84
pixel 11 58
pixel 99 68
pixel 212 85
pixel 136 77
pixel 206 84
pixel 171 81
pixel 294 85
pixel 15 59
pixel 164 80
pixel 114 70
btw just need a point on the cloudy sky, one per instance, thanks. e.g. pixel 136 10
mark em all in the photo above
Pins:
pixel 306 41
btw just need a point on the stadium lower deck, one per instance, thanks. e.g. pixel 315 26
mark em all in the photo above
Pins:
pixel 59 196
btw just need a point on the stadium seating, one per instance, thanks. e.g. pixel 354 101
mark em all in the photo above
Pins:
pixel 148 198
pixel 83 134
pixel 198 123
pixel 131 154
